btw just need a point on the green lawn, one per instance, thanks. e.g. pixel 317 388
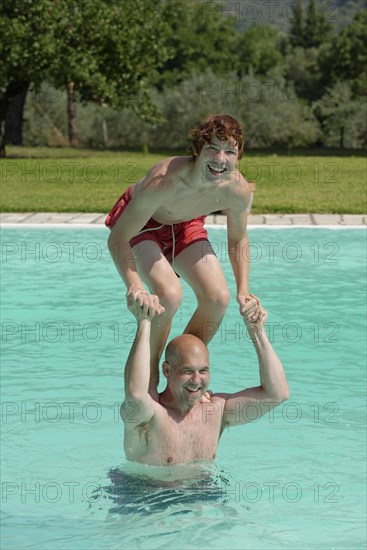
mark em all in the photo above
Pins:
pixel 83 180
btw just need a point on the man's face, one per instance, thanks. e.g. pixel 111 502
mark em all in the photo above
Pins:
pixel 218 159
pixel 189 379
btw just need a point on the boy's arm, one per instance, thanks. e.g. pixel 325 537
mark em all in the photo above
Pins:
pixel 251 403
pixel 147 198
pixel 137 369
pixel 238 243
pixel 239 251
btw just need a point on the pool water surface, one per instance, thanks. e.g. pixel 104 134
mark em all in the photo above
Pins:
pixel 294 479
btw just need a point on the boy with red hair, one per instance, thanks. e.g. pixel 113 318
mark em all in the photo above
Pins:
pixel 157 232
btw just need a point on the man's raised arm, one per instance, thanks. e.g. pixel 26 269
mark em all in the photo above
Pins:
pixel 273 389
pixel 144 307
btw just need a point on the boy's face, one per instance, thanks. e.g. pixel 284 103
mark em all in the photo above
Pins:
pixel 218 158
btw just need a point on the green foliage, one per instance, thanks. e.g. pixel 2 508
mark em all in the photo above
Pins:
pixel 344 119
pixel 312 31
pixel 317 28
pixel 109 51
pixel 349 59
pixel 303 69
pixel 146 71
pixel 297 26
pixel 27 46
pixel 199 39
pixel 271 114
pixel 258 50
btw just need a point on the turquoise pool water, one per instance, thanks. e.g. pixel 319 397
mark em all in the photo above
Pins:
pixel 294 480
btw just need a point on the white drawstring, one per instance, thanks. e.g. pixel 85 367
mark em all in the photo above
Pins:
pixel 173 243
pixel 160 227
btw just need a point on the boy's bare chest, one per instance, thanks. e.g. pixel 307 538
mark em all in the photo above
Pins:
pixel 188 205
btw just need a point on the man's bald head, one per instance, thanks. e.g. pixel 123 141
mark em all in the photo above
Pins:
pixel 181 349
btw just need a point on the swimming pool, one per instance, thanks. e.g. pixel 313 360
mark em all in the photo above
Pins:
pixel 291 480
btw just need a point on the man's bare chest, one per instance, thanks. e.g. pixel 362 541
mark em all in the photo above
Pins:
pixel 190 439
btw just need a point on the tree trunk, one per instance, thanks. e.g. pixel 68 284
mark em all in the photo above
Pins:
pixel 13 89
pixel 341 141
pixel 14 118
pixel 105 132
pixel 71 109
pixel 2 143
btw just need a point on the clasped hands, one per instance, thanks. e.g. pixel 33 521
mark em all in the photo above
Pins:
pixel 254 315
pixel 142 304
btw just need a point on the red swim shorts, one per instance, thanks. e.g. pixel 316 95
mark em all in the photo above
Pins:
pixel 172 239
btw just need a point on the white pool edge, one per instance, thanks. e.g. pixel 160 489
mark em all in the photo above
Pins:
pixel 207 226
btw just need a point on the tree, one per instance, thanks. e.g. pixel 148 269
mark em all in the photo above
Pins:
pixel 98 50
pixel 317 28
pixel 343 119
pixel 26 49
pixel 258 50
pixel 312 31
pixel 349 55
pixel 297 26
pixel 199 39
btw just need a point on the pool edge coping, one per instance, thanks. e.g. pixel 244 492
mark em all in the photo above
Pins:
pixel 280 221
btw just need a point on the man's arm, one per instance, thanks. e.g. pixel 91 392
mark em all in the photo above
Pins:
pixel 251 403
pixel 137 369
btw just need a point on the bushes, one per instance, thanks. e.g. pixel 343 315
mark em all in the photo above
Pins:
pixel 269 110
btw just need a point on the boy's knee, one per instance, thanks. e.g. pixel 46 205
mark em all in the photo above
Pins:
pixel 221 297
pixel 217 298
pixel 170 297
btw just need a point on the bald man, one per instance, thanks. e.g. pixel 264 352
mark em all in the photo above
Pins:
pixel 181 427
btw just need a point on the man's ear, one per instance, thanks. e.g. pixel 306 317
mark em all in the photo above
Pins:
pixel 166 368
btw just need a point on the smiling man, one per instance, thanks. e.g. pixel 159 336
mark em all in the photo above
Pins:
pixel 157 232
pixel 179 427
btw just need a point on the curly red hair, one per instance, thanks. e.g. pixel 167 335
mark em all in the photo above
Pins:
pixel 224 127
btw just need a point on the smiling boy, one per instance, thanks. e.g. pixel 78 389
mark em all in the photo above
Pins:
pixel 157 232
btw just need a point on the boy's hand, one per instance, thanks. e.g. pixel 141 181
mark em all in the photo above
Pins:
pixel 254 314
pixel 250 305
pixel 142 304
pixel 207 397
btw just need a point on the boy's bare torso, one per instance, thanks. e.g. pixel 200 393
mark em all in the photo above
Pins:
pixel 170 438
pixel 187 195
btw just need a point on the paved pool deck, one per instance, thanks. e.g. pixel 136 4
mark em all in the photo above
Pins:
pixel 268 220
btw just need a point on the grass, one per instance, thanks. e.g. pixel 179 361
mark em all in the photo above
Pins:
pixel 82 180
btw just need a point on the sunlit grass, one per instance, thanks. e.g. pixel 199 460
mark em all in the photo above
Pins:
pixel 83 180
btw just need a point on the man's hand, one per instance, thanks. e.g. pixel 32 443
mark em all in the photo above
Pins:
pixel 142 304
pixel 254 314
pixel 250 305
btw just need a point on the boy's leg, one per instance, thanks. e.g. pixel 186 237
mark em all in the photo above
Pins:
pixel 199 266
pixel 159 277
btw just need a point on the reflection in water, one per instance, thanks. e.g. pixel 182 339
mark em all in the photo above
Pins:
pixel 144 490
